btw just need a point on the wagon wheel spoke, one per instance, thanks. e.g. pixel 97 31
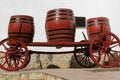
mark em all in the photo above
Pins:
pixel 85 61
pixel 83 58
pixel 114 45
pixel 97 45
pixel 4 61
pixel 9 64
pixel 112 40
pixel 21 55
pixel 108 52
pixel 13 54
pixel 97 56
pixel 89 61
pixel 2 57
pixel 113 56
pixel 100 38
pixel 14 64
pixel 19 61
pixel 5 46
pixel 109 59
pixel 104 58
pixel 115 51
pixel 15 46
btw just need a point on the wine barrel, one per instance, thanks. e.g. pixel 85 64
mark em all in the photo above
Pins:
pixel 60 25
pixel 21 27
pixel 97 25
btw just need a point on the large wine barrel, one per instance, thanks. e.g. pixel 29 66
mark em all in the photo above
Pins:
pixel 96 26
pixel 60 25
pixel 21 27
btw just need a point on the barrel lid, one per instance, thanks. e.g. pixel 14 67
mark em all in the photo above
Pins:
pixel 97 18
pixel 27 17
pixel 60 10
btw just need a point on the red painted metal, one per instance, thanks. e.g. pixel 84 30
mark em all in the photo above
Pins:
pixel 60 25
pixel 97 25
pixel 108 50
pixel 21 27
pixel 13 57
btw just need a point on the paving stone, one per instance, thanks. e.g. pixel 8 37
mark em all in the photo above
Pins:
pixel 34 63
pixel 13 77
pixel 49 77
pixel 60 79
pixel 36 76
pixel 2 76
pixel 24 76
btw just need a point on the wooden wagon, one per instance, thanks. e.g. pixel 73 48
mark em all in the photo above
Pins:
pixel 101 48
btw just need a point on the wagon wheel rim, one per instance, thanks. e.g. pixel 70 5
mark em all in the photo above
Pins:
pixel 82 57
pixel 13 54
pixel 108 44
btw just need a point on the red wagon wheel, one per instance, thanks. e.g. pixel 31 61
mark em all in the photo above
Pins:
pixel 82 56
pixel 108 44
pixel 13 54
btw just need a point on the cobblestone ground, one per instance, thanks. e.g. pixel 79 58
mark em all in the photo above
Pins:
pixel 67 69
pixel 63 74
pixel 28 75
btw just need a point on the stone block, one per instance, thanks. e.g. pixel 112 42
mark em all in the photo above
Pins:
pixel 34 62
pixel 13 77
pixel 59 60
pixel 50 77
pixel 24 76
pixel 36 76
pixel 2 76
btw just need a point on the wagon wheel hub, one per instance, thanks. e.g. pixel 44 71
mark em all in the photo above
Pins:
pixel 10 51
pixel 87 53
pixel 107 50
pixel 10 54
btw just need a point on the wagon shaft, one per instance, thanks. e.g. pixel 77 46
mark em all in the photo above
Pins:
pixel 55 44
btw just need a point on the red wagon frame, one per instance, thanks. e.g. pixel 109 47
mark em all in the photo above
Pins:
pixel 102 48
pixel 15 54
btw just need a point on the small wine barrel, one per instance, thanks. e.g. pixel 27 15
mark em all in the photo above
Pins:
pixel 60 25
pixel 96 26
pixel 21 27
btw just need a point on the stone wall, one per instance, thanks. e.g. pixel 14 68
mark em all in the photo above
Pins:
pixel 45 61
pixel 37 62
